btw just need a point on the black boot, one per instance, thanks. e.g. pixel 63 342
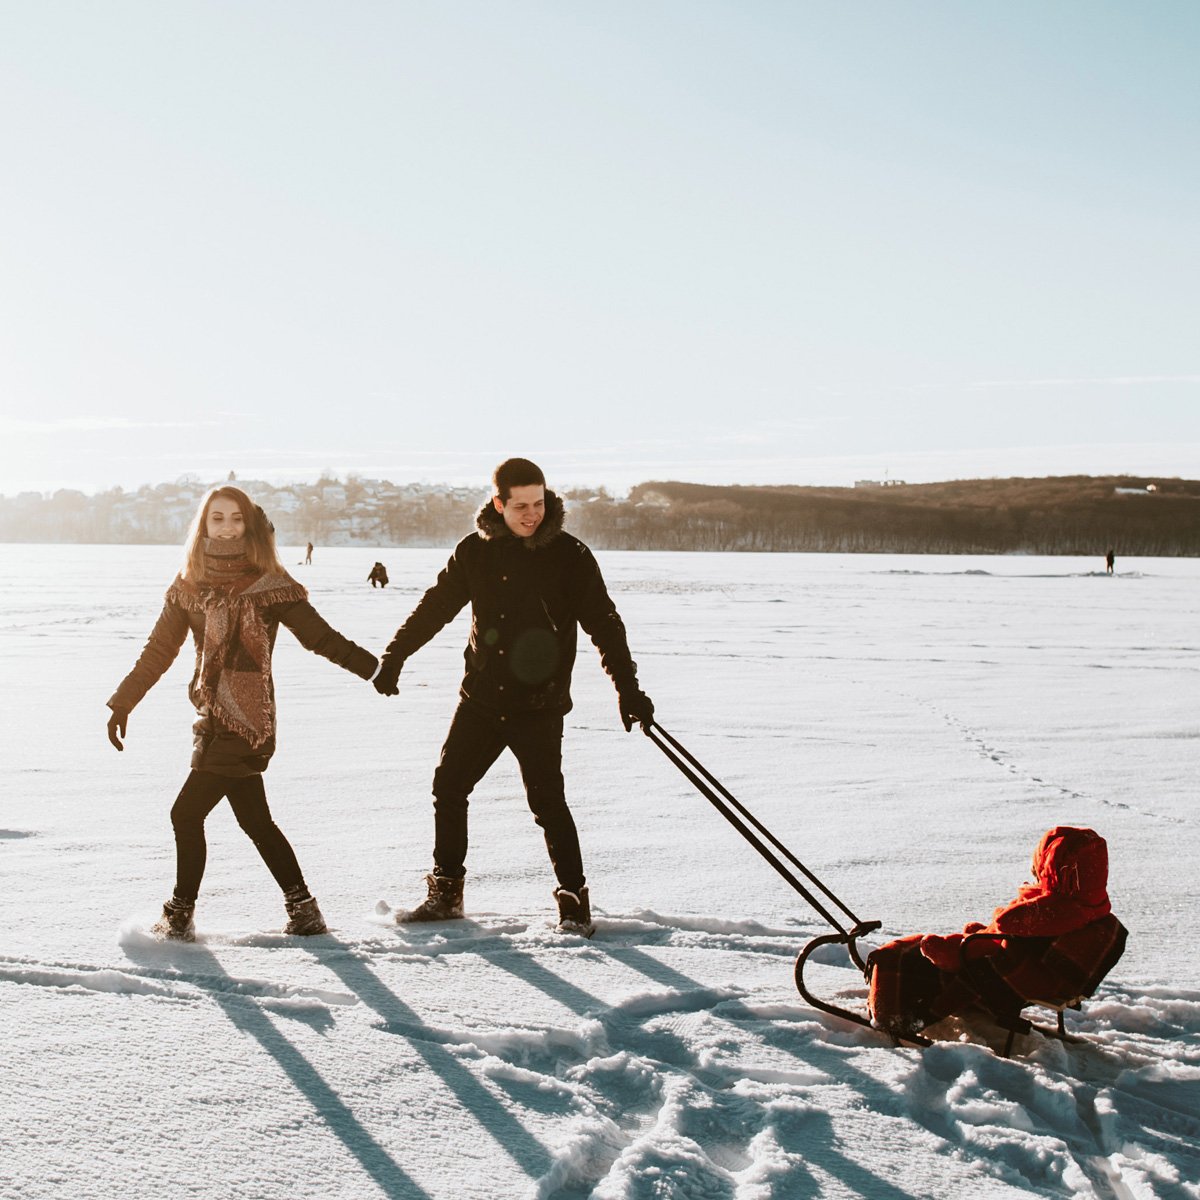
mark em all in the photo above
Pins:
pixel 304 917
pixel 176 921
pixel 444 902
pixel 574 912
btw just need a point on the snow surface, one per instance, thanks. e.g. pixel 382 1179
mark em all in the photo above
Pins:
pixel 909 726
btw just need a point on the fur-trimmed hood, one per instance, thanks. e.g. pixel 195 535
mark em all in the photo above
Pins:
pixel 491 524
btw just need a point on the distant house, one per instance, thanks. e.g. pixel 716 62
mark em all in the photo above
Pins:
pixel 1124 491
pixel 867 483
pixel 286 500
pixel 178 512
pixel 650 499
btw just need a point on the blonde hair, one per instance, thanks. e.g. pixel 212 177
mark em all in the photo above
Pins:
pixel 259 536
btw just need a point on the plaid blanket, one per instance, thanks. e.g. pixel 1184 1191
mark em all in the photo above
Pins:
pixel 997 973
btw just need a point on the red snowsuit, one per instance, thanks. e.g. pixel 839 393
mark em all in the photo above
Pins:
pixel 1071 869
pixel 917 980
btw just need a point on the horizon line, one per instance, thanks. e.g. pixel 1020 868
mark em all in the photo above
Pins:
pixel 350 476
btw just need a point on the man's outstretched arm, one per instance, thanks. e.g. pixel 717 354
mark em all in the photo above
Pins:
pixel 435 610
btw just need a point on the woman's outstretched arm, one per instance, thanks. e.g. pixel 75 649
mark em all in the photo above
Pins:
pixel 314 633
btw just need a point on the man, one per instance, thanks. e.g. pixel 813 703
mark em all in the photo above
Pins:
pixel 529 585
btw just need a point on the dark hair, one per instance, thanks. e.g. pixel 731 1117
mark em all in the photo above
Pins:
pixel 513 473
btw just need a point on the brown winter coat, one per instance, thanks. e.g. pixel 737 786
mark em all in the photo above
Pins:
pixel 215 748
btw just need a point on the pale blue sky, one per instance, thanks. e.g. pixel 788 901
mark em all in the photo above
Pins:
pixel 726 242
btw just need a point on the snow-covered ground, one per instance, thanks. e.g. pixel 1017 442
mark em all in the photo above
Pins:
pixel 909 726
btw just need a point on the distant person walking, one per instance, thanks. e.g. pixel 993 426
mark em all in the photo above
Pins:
pixel 378 575
pixel 308 554
pixel 529 584
pixel 1109 560
pixel 232 595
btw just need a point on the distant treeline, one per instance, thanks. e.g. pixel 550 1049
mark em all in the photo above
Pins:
pixel 1076 515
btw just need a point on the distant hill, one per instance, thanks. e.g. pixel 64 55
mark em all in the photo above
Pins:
pixel 1079 514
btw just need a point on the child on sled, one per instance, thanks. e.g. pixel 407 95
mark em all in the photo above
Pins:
pixel 1052 944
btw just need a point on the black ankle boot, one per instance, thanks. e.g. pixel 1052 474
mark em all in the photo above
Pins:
pixel 176 921
pixel 443 903
pixel 304 917
pixel 574 912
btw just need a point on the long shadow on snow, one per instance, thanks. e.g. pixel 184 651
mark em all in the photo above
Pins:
pixel 478 940
pixel 818 1140
pixel 245 1013
pixel 674 1052
pixel 940 1068
pixel 509 1134
pixel 626 1112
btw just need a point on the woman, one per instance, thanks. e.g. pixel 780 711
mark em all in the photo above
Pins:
pixel 232 595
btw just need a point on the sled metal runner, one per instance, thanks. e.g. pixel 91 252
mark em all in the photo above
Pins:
pixel 848 927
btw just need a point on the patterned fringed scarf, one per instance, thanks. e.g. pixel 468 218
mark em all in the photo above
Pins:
pixel 234 679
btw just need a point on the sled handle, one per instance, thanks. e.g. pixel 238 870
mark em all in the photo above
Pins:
pixel 709 786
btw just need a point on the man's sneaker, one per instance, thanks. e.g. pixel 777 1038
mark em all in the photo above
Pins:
pixel 443 903
pixel 176 921
pixel 574 912
pixel 304 917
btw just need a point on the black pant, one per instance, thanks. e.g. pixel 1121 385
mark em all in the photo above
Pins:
pixel 476 739
pixel 202 791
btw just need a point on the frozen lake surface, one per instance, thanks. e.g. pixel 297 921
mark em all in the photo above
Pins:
pixel 908 725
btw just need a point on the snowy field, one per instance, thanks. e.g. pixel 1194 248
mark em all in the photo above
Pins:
pixel 909 726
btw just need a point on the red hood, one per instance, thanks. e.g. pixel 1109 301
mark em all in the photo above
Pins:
pixel 1073 862
pixel 1071 868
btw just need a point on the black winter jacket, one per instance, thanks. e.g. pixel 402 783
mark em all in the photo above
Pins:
pixel 214 748
pixel 527 597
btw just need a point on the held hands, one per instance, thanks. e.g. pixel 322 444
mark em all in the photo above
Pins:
pixel 387 682
pixel 116 726
pixel 636 706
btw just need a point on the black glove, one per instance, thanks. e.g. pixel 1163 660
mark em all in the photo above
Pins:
pixel 387 682
pixel 636 706
pixel 116 725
